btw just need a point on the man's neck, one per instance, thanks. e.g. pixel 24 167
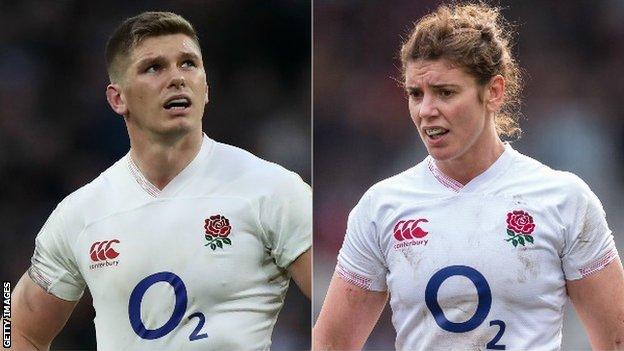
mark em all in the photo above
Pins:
pixel 160 161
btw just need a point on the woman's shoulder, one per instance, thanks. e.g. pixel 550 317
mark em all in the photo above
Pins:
pixel 413 183
pixel 528 169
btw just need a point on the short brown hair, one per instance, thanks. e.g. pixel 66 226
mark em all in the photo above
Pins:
pixel 135 29
pixel 477 38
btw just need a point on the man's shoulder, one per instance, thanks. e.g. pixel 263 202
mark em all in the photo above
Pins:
pixel 237 158
pixel 238 167
pixel 96 198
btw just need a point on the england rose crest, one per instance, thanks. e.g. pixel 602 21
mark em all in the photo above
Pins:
pixel 217 230
pixel 520 227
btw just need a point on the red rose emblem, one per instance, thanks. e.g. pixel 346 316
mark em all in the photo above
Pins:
pixel 218 226
pixel 520 222
pixel 217 229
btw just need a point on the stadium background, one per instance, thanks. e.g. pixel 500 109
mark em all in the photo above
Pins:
pixel 57 131
pixel 573 54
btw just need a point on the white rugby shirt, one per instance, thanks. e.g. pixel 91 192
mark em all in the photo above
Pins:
pixel 200 265
pixel 480 266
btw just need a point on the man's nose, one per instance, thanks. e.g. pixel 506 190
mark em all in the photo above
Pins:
pixel 177 79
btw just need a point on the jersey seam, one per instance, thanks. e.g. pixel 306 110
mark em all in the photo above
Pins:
pixel 258 220
pixel 376 232
pixel 297 254
pixel 72 247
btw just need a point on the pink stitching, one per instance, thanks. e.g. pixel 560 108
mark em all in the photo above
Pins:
pixel 598 264
pixel 353 278
pixel 443 178
pixel 140 179
pixel 39 278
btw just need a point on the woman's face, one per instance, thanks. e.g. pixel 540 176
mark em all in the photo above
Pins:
pixel 445 103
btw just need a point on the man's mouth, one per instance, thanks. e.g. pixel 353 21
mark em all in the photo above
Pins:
pixel 177 103
pixel 435 133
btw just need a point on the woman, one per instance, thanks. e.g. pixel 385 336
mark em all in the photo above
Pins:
pixel 478 246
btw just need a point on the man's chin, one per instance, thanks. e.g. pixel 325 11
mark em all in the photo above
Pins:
pixel 176 129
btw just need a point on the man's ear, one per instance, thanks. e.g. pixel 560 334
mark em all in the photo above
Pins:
pixel 495 93
pixel 116 100
pixel 206 99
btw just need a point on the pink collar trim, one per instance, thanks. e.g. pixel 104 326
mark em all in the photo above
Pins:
pixel 445 180
pixel 145 184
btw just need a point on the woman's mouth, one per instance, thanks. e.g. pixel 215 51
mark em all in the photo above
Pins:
pixel 436 132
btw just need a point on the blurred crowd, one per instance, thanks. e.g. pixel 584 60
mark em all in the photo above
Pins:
pixel 57 131
pixel 572 55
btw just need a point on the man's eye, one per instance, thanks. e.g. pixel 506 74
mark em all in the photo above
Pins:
pixel 188 63
pixel 152 69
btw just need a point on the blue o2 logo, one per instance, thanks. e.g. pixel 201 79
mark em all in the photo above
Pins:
pixel 181 299
pixel 483 306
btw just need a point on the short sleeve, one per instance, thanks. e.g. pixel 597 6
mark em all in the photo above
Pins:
pixel 360 260
pixel 52 265
pixel 589 244
pixel 287 219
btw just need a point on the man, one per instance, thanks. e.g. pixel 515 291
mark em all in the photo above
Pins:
pixel 185 242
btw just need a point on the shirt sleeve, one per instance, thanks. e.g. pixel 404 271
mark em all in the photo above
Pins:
pixel 589 244
pixel 52 264
pixel 360 260
pixel 287 219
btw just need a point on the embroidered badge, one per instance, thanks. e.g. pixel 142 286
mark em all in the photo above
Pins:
pixel 103 254
pixel 409 233
pixel 217 230
pixel 519 227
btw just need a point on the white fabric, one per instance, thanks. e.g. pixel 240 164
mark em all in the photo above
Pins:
pixel 238 288
pixel 467 228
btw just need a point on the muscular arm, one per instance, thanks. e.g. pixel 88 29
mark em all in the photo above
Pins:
pixel 37 316
pixel 599 301
pixel 348 316
pixel 300 271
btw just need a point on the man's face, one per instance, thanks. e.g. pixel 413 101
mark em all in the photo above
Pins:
pixel 164 87
pixel 444 105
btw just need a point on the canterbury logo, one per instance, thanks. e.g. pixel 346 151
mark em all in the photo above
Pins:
pixel 409 229
pixel 102 250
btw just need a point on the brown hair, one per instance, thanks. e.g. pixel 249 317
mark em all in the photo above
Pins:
pixel 134 30
pixel 477 38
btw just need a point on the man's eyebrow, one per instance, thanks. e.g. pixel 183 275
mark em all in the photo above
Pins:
pixel 150 59
pixel 189 54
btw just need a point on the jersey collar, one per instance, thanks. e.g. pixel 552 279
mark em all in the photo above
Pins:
pixel 178 182
pixel 493 172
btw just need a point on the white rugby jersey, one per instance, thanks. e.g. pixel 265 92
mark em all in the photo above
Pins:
pixel 480 266
pixel 200 265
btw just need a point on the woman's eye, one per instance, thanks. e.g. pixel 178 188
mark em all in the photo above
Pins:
pixel 414 94
pixel 446 93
